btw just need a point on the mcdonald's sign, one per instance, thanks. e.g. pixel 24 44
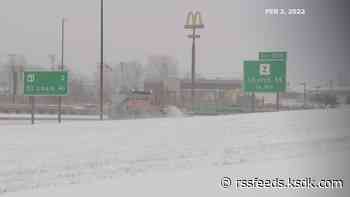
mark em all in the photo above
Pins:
pixel 194 20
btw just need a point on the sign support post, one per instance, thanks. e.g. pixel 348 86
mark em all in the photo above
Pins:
pixel 33 110
pixel 277 101
pixel 253 102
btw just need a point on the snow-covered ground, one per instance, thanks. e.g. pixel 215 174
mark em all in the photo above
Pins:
pixel 25 119
pixel 5 116
pixel 206 181
pixel 174 156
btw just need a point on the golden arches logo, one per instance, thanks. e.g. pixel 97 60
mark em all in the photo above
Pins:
pixel 194 20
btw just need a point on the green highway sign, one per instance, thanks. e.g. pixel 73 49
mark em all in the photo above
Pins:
pixel 45 83
pixel 265 76
pixel 276 55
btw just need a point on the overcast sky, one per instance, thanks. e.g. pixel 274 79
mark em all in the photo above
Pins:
pixel 317 43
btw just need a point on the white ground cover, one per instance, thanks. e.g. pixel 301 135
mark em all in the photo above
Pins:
pixel 53 116
pixel 173 156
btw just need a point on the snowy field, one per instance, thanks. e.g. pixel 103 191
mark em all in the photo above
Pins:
pixel 5 116
pixel 25 119
pixel 175 156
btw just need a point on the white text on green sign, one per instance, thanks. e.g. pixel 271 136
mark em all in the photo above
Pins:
pixel 45 83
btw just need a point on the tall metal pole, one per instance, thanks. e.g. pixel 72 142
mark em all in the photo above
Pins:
pixel 193 22
pixel 14 77
pixel 101 66
pixel 193 68
pixel 61 68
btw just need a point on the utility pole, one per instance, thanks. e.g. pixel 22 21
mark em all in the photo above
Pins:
pixel 14 77
pixel 304 84
pixel 193 22
pixel 101 65
pixel 61 68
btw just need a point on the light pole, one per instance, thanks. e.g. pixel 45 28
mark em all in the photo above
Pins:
pixel 304 84
pixel 61 68
pixel 14 77
pixel 101 65
pixel 193 22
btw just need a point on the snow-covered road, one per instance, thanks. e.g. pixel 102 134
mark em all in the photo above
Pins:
pixel 49 155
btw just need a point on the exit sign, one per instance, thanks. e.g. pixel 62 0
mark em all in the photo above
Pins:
pixel 45 83
pixel 264 76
